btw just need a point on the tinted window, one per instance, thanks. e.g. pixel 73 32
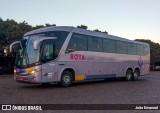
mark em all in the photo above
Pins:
pixel 94 44
pixel 61 37
pixel 146 50
pixel 77 43
pixel 139 49
pixel 109 45
pixel 132 48
pixel 121 47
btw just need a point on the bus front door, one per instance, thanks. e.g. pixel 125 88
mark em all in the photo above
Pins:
pixel 48 72
pixel 48 66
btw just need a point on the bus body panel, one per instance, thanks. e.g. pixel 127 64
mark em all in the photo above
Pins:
pixel 109 64
pixel 48 72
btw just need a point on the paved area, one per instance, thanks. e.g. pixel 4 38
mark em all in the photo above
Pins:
pixel 144 91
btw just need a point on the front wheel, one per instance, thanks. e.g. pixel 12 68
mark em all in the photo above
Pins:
pixel 66 79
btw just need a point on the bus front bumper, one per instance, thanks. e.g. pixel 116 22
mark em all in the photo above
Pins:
pixel 27 78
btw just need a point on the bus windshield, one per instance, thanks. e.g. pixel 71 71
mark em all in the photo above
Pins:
pixel 27 55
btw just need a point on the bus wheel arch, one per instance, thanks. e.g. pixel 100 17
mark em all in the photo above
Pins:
pixel 129 74
pixel 67 77
pixel 136 74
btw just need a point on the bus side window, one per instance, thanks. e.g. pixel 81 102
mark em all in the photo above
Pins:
pixel 109 45
pixel 146 50
pixel 132 48
pixel 77 43
pixel 94 44
pixel 72 45
pixel 121 47
pixel 140 49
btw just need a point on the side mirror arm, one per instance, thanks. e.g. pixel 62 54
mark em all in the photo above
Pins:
pixel 12 44
pixel 36 43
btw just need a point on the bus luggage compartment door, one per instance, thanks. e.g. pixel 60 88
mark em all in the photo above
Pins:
pixel 48 72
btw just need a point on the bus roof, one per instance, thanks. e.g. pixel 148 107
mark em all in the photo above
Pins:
pixel 81 31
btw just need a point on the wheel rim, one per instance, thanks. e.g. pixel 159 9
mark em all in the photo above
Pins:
pixel 66 79
pixel 129 75
pixel 135 75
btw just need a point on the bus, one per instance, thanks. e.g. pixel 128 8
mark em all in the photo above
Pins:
pixel 63 54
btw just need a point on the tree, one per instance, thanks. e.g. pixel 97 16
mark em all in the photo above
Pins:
pixel 101 31
pixel 82 27
pixel 97 30
pixel 154 50
pixel 105 32
pixel 7 29
pixel 48 25
pixel 11 31
pixel 42 26
pixel 21 29
pixel 38 27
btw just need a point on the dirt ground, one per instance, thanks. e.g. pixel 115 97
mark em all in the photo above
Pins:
pixel 144 91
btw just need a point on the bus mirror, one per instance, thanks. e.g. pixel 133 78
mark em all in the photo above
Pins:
pixel 38 41
pixel 12 44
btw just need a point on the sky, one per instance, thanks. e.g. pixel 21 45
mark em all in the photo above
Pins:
pixel 131 19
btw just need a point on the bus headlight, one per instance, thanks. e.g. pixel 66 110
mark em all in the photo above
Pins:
pixel 15 71
pixel 32 72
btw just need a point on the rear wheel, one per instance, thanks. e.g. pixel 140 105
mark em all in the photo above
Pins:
pixel 128 75
pixel 66 79
pixel 136 75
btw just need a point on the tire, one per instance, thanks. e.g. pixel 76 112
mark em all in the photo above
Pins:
pixel 135 75
pixel 66 79
pixel 129 75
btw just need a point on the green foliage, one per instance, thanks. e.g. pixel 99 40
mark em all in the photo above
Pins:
pixel 48 25
pixel 154 50
pixel 11 31
pixel 97 30
pixel 42 26
pixel 101 31
pixel 105 32
pixel 82 27
pixel 85 27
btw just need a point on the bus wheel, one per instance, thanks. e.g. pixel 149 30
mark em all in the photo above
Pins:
pixel 135 75
pixel 66 79
pixel 128 75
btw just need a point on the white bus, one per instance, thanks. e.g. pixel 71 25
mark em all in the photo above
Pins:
pixel 67 54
